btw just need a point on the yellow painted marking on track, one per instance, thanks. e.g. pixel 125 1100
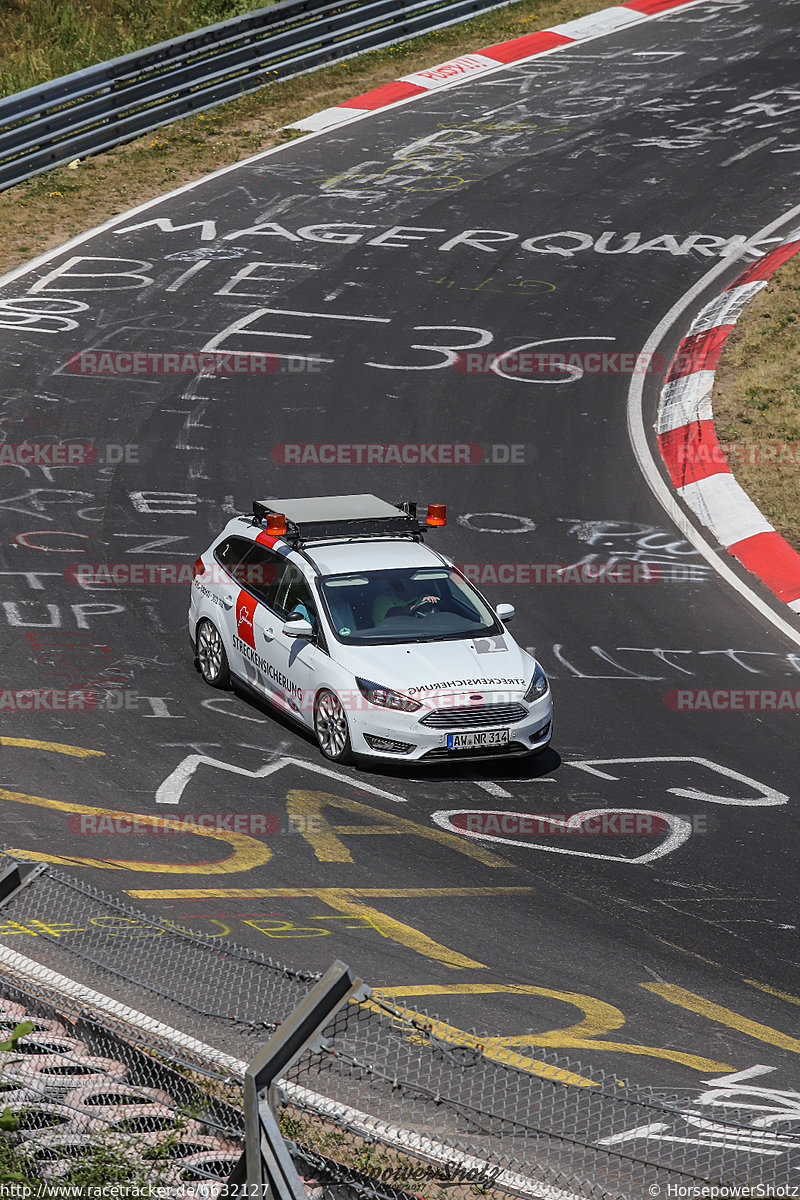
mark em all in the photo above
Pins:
pixel 598 1018
pixel 294 893
pixel 492 1047
pixel 455 989
pixel 347 901
pixel 247 853
pixel 56 747
pixel 274 927
pixel 325 839
pixel 366 830
pixel 723 1016
pixel 62 860
pixel 343 901
pixel 300 806
pixel 771 991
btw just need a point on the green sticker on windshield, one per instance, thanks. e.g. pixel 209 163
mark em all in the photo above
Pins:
pixel 344 630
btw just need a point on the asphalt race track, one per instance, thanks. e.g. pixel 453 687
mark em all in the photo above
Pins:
pixel 604 181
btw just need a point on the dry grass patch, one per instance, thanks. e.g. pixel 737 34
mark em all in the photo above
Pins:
pixel 757 401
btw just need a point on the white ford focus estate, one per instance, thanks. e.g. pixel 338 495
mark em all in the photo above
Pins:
pixel 334 610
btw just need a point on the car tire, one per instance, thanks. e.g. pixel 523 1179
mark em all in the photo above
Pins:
pixel 212 661
pixel 330 727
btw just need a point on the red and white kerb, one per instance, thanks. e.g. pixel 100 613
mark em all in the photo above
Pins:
pixel 689 445
pixel 468 65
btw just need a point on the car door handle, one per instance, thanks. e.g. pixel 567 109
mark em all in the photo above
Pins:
pixel 227 599
pixel 268 635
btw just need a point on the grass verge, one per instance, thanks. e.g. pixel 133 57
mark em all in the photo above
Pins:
pixel 756 401
pixel 45 211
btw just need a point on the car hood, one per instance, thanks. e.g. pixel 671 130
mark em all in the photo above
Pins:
pixel 424 669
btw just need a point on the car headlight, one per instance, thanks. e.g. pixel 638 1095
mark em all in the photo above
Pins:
pixel 384 697
pixel 538 686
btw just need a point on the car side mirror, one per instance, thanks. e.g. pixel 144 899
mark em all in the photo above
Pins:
pixel 505 612
pixel 298 627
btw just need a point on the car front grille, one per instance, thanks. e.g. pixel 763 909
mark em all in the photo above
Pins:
pixel 476 716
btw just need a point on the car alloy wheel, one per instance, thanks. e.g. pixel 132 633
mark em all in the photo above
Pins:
pixel 330 726
pixel 211 657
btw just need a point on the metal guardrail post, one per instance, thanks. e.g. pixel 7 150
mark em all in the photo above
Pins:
pixel 266 1162
pixel 15 876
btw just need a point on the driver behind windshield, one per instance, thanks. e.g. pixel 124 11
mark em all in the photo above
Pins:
pixel 401 597
pixel 402 605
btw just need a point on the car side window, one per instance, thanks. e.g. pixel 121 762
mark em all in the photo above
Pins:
pixel 230 552
pixel 294 596
pixel 260 571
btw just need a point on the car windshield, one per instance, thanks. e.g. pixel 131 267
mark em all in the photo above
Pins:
pixel 406 604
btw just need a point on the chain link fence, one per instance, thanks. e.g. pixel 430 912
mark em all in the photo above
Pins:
pixel 87 1104
pixel 391 1103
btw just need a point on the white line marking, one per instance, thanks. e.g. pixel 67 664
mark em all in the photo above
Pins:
pixel 294 312
pixel 769 796
pixel 493 789
pixel 172 788
pixel 746 153
pixel 195 267
pixel 679 831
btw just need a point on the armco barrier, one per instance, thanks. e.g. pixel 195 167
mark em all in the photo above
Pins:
pixel 388 1101
pixel 115 101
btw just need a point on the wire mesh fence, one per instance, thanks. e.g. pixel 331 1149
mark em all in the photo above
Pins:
pixel 392 1102
pixel 83 1104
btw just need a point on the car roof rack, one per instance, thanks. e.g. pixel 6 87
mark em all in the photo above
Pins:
pixel 314 518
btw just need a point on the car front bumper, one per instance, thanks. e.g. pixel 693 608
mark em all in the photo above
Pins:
pixel 399 736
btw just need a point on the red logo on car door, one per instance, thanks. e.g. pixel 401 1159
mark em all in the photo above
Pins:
pixel 245 612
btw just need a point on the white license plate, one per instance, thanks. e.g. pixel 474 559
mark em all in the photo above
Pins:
pixel 478 740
